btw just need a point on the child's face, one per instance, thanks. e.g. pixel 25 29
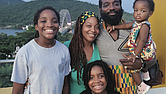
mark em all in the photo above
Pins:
pixel 90 29
pixel 97 81
pixel 142 11
pixel 47 24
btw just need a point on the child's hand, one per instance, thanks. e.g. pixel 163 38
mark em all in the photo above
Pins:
pixel 110 29
pixel 26 84
pixel 132 57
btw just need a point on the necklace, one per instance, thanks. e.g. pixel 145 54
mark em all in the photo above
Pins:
pixel 122 21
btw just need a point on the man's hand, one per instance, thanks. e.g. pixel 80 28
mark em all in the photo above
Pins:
pixel 129 64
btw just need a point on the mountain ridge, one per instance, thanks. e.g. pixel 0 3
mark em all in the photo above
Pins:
pixel 22 13
pixel 6 2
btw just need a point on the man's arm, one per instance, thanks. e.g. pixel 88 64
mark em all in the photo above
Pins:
pixel 66 85
pixel 17 88
pixel 137 64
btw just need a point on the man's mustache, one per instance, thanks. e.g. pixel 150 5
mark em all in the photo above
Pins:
pixel 112 11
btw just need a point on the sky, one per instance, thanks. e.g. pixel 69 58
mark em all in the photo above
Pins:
pixel 127 5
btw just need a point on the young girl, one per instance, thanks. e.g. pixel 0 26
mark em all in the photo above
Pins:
pixel 83 48
pixel 98 78
pixel 140 40
pixel 44 60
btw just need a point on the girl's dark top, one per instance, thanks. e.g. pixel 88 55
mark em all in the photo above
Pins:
pixel 108 92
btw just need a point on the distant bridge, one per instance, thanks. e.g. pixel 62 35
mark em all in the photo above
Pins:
pixel 65 21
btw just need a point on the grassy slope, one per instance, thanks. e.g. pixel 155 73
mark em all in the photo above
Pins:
pixel 22 13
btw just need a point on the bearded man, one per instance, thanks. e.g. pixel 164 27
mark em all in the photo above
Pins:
pixel 112 45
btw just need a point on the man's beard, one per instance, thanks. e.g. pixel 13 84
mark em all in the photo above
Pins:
pixel 112 19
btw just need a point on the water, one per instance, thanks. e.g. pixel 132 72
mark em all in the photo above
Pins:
pixel 11 31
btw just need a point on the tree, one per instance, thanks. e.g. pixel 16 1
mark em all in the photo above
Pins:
pixel 5 75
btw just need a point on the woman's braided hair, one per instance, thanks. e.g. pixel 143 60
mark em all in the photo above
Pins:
pixel 77 54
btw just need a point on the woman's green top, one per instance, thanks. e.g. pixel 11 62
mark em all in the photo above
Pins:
pixel 76 88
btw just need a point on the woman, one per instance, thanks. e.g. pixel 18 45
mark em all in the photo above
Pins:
pixel 82 48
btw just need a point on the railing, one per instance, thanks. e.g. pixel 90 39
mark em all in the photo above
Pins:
pixel 7 61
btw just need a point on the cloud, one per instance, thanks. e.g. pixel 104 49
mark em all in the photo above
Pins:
pixel 27 0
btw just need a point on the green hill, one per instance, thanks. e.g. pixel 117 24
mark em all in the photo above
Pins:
pixel 21 14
